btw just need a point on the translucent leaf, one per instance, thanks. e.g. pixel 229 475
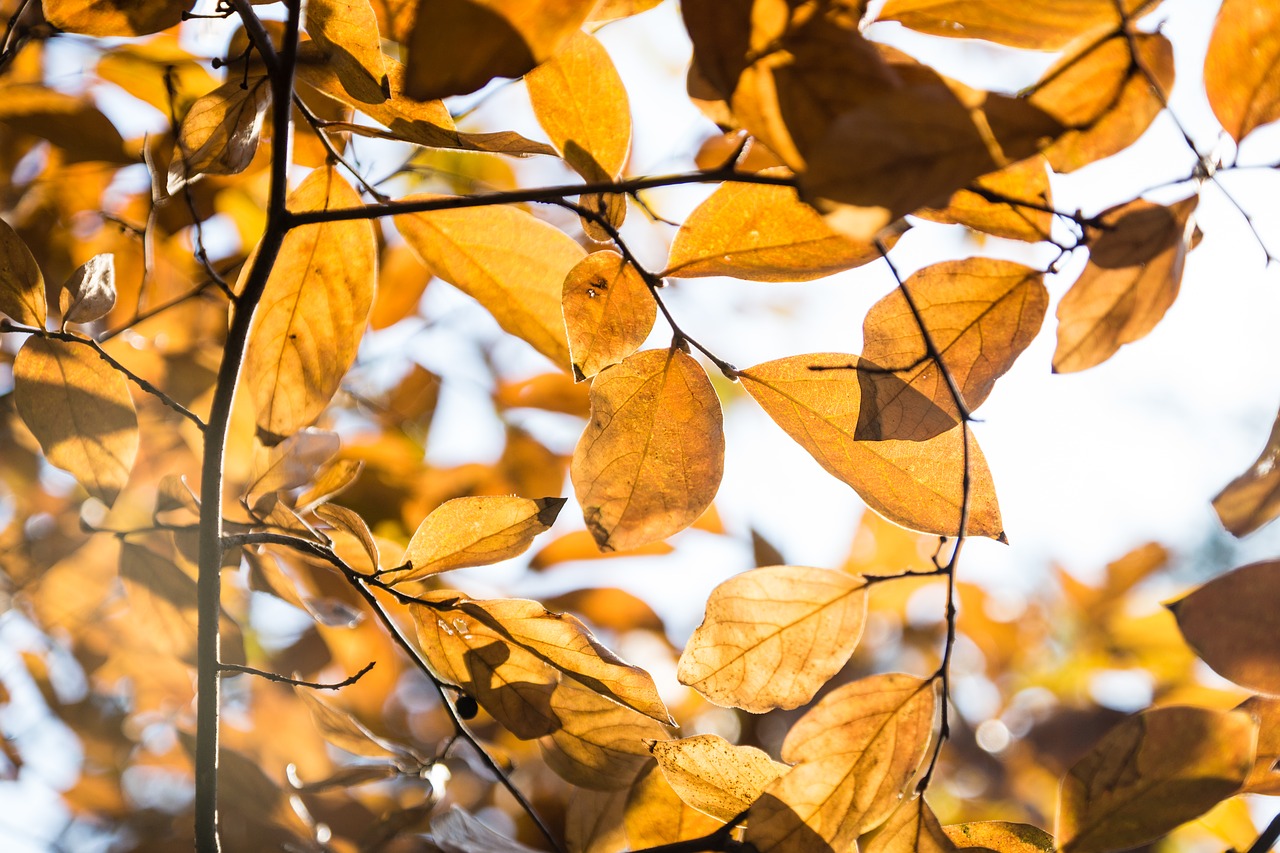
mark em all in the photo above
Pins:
pixel 158 72
pixel 312 314
pixel 593 821
pixel 912 828
pixel 343 730
pixel 715 776
pixel 90 292
pixel 1013 203
pixel 917 484
pixel 347 30
pixel 294 461
pixel 71 122
pixel 115 17
pixel 650 460
pixel 21 283
pixel 772 637
pixel 1265 776
pixel 351 523
pixel 855 752
pixel 1230 623
pixel 608 312
pixel 1000 837
pixel 580 545
pixel 1133 276
pixel 162 599
pixel 80 410
pixel 1153 772
pixel 1038 24
pixel 221 131
pixel 1240 69
pixel 458 831
pixel 655 815
pixel 599 744
pixel 511 263
pixel 474 531
pixel 1253 499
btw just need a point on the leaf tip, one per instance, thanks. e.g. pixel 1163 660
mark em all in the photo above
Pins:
pixel 549 509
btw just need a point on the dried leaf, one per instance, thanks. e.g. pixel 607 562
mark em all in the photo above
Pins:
pixel 1133 276
pixel 655 815
pixel 593 821
pixel 313 311
pixel 650 460
pixel 90 292
pixel 1000 837
pixel 294 461
pixel 21 283
pixel 608 312
pixel 1265 776
pixel 351 523
pixel 1151 773
pixel 917 484
pixel 115 17
pixel 1037 25
pixel 912 828
pixel 600 744
pixel 71 122
pixel 220 133
pixel 1253 499
pixel 773 637
pixel 1230 622
pixel 80 410
pixel 715 776
pixel 344 731
pixel 458 831
pixel 347 30
pixel 1014 203
pixel 1240 69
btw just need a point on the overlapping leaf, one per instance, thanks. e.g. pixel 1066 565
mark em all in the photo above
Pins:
pixel 1264 778
pixel 1038 25
pixel 114 17
pixel 344 731
pixel 1240 69
pixel 22 295
pixel 600 744
pixel 90 292
pixel 656 815
pixel 1013 203
pixel 221 131
pixel 1253 499
pixel 1001 837
pixel 912 828
pixel 347 30
pixel 608 312
pixel 715 776
pixel 1229 622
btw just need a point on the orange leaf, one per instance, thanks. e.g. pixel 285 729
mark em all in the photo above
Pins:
pixel 1240 70
pixel 1265 776
pixel 1012 203
pixel 1034 24
pixel 1230 623
pixel 115 17
pixel 599 744
pixel 347 30
pixel 656 814
pixel 22 294
pixel 220 133
pixel 912 828
pixel 715 776
pixel 608 312
pixel 1253 499
pixel 1001 837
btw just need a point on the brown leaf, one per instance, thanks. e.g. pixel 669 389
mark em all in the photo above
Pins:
pixel 220 133
pixel 715 776
pixel 1230 622
pixel 1265 776
pixel 773 636
pixel 600 744
pixel 1001 837
pixel 115 17
pixel 593 821
pixel 1253 499
pixel 1037 24
pixel 912 828
pixel 71 122
pixel 1153 772
pixel 1133 276
pixel 917 484
pixel 608 312
pixel 22 295
pixel 655 815
pixel 1013 203
pixel 347 30
pixel 90 292
pixel 1240 69
pixel 313 311
pixel 80 410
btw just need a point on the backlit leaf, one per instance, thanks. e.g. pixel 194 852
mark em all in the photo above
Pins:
pixel 71 122
pixel 716 776
pixel 80 409
pixel 1154 771
pixel 1000 837
pixel 773 636
pixel 1038 24
pixel 1133 276
pixel 458 831
pixel 347 30
pixel 115 17
pixel 312 315
pixel 21 283
pixel 294 461
pixel 1265 776
pixel 221 131
pixel 90 292
pixel 162 600
pixel 593 821
pixel 1013 203
pixel 1253 499
pixel 343 730
pixel 599 744
pixel 511 263
pixel 1240 69
pixel 656 815
pixel 1230 623
pixel 608 312
pixel 581 545
pixel 650 460
pixel 917 484
pixel 912 828
pixel 474 531
pixel 351 523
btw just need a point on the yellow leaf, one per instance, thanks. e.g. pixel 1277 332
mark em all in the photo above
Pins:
pixel 855 752
pixel 80 410
pixel 343 730
pixel 761 233
pixel 650 460
pixel 1037 24
pixel 608 312
pixel 162 601
pixel 293 462
pixel 347 30
pixel 1133 276
pixel 600 744
pixel 220 133
pixel 1265 776
pixel 511 263
pixel 312 314
pixel 1154 771
pixel 773 636
pixel 593 821
pixel 715 776
pixel 1240 69
pixel 912 828
pixel 580 545
pixel 917 484
pixel 1253 499
pixel 353 525
pixel 474 531
pixel 158 72
pixel 1001 837
pixel 579 100
pixel 470 42
pixel 1230 623
pixel 115 17
pixel 655 815
pixel 72 123
pixel 22 295
pixel 1013 203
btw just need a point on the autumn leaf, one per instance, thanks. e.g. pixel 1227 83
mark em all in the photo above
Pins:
pixel 347 30
pixel 656 815
pixel 1133 276
pixel 772 637
pixel 73 123
pixel 80 410
pixel 912 828
pixel 1000 836
pixel 1037 25
pixel 608 312
pixel 115 17
pixel 715 776
pixel 1154 771
pixel 220 133
pixel 917 484
pixel 353 525
pixel 294 461
pixel 1264 778
pixel 1013 203
pixel 313 311
pixel 22 295
pixel 1240 67
pixel 650 460
pixel 1229 623
pixel 1253 499
pixel 344 731
pixel 600 744
pixel 593 821
pixel 458 831
pixel 90 292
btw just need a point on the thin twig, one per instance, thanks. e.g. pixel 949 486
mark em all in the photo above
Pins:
pixel 318 128
pixel 297 682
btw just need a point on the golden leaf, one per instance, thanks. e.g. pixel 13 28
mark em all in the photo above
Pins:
pixel 608 312
pixel 715 776
pixel 1000 837
pixel 655 815
pixel 159 72
pixel 1013 203
pixel 917 484
pixel 1154 771
pixel 1229 622
pixel 1253 499
pixel 162 601
pixel 855 752
pixel 912 828
pixel 1037 24
pixel 773 636
pixel 593 821
pixel 511 263
pixel 581 545
pixel 599 744
pixel 347 30
pixel 22 295
pixel 90 292
pixel 115 17
pixel 1240 68
pixel 650 460
pixel 312 314
pixel 1133 276
pixel 71 122
pixel 353 525
pixel 80 410
pixel 1265 776
pixel 474 531
pixel 293 462
pixel 220 133
pixel 343 730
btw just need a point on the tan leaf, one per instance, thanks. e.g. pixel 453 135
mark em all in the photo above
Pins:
pixel 600 744
pixel 855 752
pixel 1253 499
pixel 715 776
pixel 458 831
pixel 1013 203
pixel 80 410
pixel 21 283
pixel 221 131
pixel 650 460
pixel 347 30
pixel 90 292
pixel 1230 623
pixel 352 524
pixel 312 314
pixel 470 42
pixel 162 600
pixel 511 263
pixel 1133 276
pixel 655 815
pixel 343 730
pixel 608 312
pixel 593 821
pixel 1240 69
pixel 1265 776
pixel 1037 24
pixel 1000 837
pixel 330 482
pixel 1153 772
pixel 294 461
pixel 115 17
pixel 773 636
pixel 912 828
pixel 917 484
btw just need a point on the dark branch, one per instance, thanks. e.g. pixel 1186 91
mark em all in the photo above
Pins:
pixel 297 682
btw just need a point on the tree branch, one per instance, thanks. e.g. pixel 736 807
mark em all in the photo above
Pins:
pixel 297 682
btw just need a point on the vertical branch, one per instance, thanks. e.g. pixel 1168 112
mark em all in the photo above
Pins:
pixel 280 67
